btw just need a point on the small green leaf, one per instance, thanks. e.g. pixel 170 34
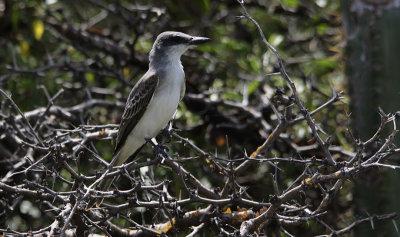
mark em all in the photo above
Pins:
pixel 324 65
pixel 321 28
pixel 290 3
pixel 276 39
pixel 253 86
pixel 89 77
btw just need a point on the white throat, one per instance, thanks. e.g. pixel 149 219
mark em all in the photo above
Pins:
pixel 168 65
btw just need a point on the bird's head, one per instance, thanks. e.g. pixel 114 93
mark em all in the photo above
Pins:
pixel 173 44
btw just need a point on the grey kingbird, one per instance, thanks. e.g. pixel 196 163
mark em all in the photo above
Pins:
pixel 154 99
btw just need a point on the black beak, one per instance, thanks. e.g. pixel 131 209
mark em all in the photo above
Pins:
pixel 198 40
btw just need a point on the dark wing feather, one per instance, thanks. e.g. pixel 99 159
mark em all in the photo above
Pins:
pixel 138 100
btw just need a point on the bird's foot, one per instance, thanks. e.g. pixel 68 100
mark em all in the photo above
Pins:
pixel 166 133
pixel 161 149
pixel 158 148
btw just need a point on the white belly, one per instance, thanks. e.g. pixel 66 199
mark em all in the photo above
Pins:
pixel 156 117
pixel 159 112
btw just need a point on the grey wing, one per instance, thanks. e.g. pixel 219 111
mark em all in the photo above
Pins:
pixel 138 100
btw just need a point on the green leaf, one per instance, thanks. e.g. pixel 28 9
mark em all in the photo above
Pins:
pixel 253 86
pixel 324 65
pixel 321 28
pixel 276 39
pixel 290 3
pixel 89 77
pixel 207 5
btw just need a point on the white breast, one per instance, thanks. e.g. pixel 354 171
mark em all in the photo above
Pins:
pixel 159 111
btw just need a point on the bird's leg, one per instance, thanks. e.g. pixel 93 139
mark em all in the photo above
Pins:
pixel 158 148
pixel 166 133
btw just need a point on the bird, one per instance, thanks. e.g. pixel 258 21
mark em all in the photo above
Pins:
pixel 153 100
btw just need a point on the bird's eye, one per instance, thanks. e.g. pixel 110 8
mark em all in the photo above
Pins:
pixel 175 40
